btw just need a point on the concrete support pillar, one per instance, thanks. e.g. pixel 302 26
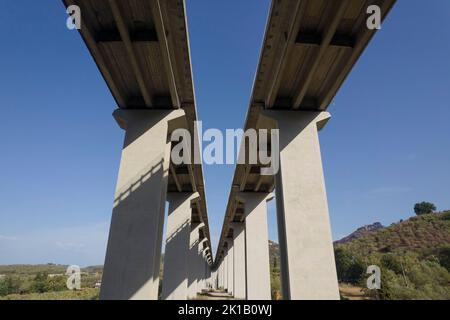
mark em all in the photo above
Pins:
pixel 211 279
pixel 216 279
pixel 240 280
pixel 257 245
pixel 204 270
pixel 225 271
pixel 307 257
pixel 230 267
pixel 206 283
pixel 208 276
pixel 176 257
pixel 219 276
pixel 194 255
pixel 200 270
pixel 132 262
pixel 221 283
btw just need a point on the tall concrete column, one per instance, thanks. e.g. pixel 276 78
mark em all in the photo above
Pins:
pixel 212 280
pixel 225 270
pixel 240 280
pixel 206 283
pixel 207 276
pixel 307 257
pixel 132 262
pixel 257 245
pixel 205 268
pixel 221 283
pixel 230 267
pixel 219 276
pixel 176 257
pixel 201 266
pixel 194 281
pixel 216 279
pixel 211 276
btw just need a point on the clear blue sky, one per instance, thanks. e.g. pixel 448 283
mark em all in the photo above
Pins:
pixel 387 146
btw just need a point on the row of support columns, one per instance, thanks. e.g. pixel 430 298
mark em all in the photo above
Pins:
pixel 308 268
pixel 244 269
pixel 133 258
pixel 184 268
pixel 132 264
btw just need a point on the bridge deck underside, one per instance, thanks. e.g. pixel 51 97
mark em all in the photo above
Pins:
pixel 141 48
pixel 309 49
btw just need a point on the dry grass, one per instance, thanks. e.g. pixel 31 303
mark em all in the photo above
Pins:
pixel 351 292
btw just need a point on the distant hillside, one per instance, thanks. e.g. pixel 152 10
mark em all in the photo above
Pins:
pixel 31 269
pixel 361 232
pixel 50 268
pixel 413 256
pixel 420 234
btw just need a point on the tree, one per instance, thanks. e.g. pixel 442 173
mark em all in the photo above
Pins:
pixel 9 285
pixel 349 268
pixel 444 257
pixel 424 208
pixel 392 262
pixel 40 283
pixel 4 290
pixel 56 283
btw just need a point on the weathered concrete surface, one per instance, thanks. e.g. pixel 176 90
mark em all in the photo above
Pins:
pixel 176 257
pixel 220 276
pixel 230 267
pixel 307 257
pixel 201 267
pixel 225 271
pixel 240 279
pixel 194 269
pixel 257 245
pixel 134 245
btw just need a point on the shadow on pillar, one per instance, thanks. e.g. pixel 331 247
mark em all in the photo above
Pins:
pixel 239 256
pixel 130 258
pixel 133 256
pixel 175 273
pixel 192 276
pixel 307 260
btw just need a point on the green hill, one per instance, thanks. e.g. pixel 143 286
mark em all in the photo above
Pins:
pixel 45 281
pixel 49 268
pixel 32 269
pixel 413 255
pixel 420 234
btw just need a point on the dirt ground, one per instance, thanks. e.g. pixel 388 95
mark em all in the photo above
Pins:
pixel 351 292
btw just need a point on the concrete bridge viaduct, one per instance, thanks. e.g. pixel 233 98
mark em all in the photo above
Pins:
pixel 141 48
